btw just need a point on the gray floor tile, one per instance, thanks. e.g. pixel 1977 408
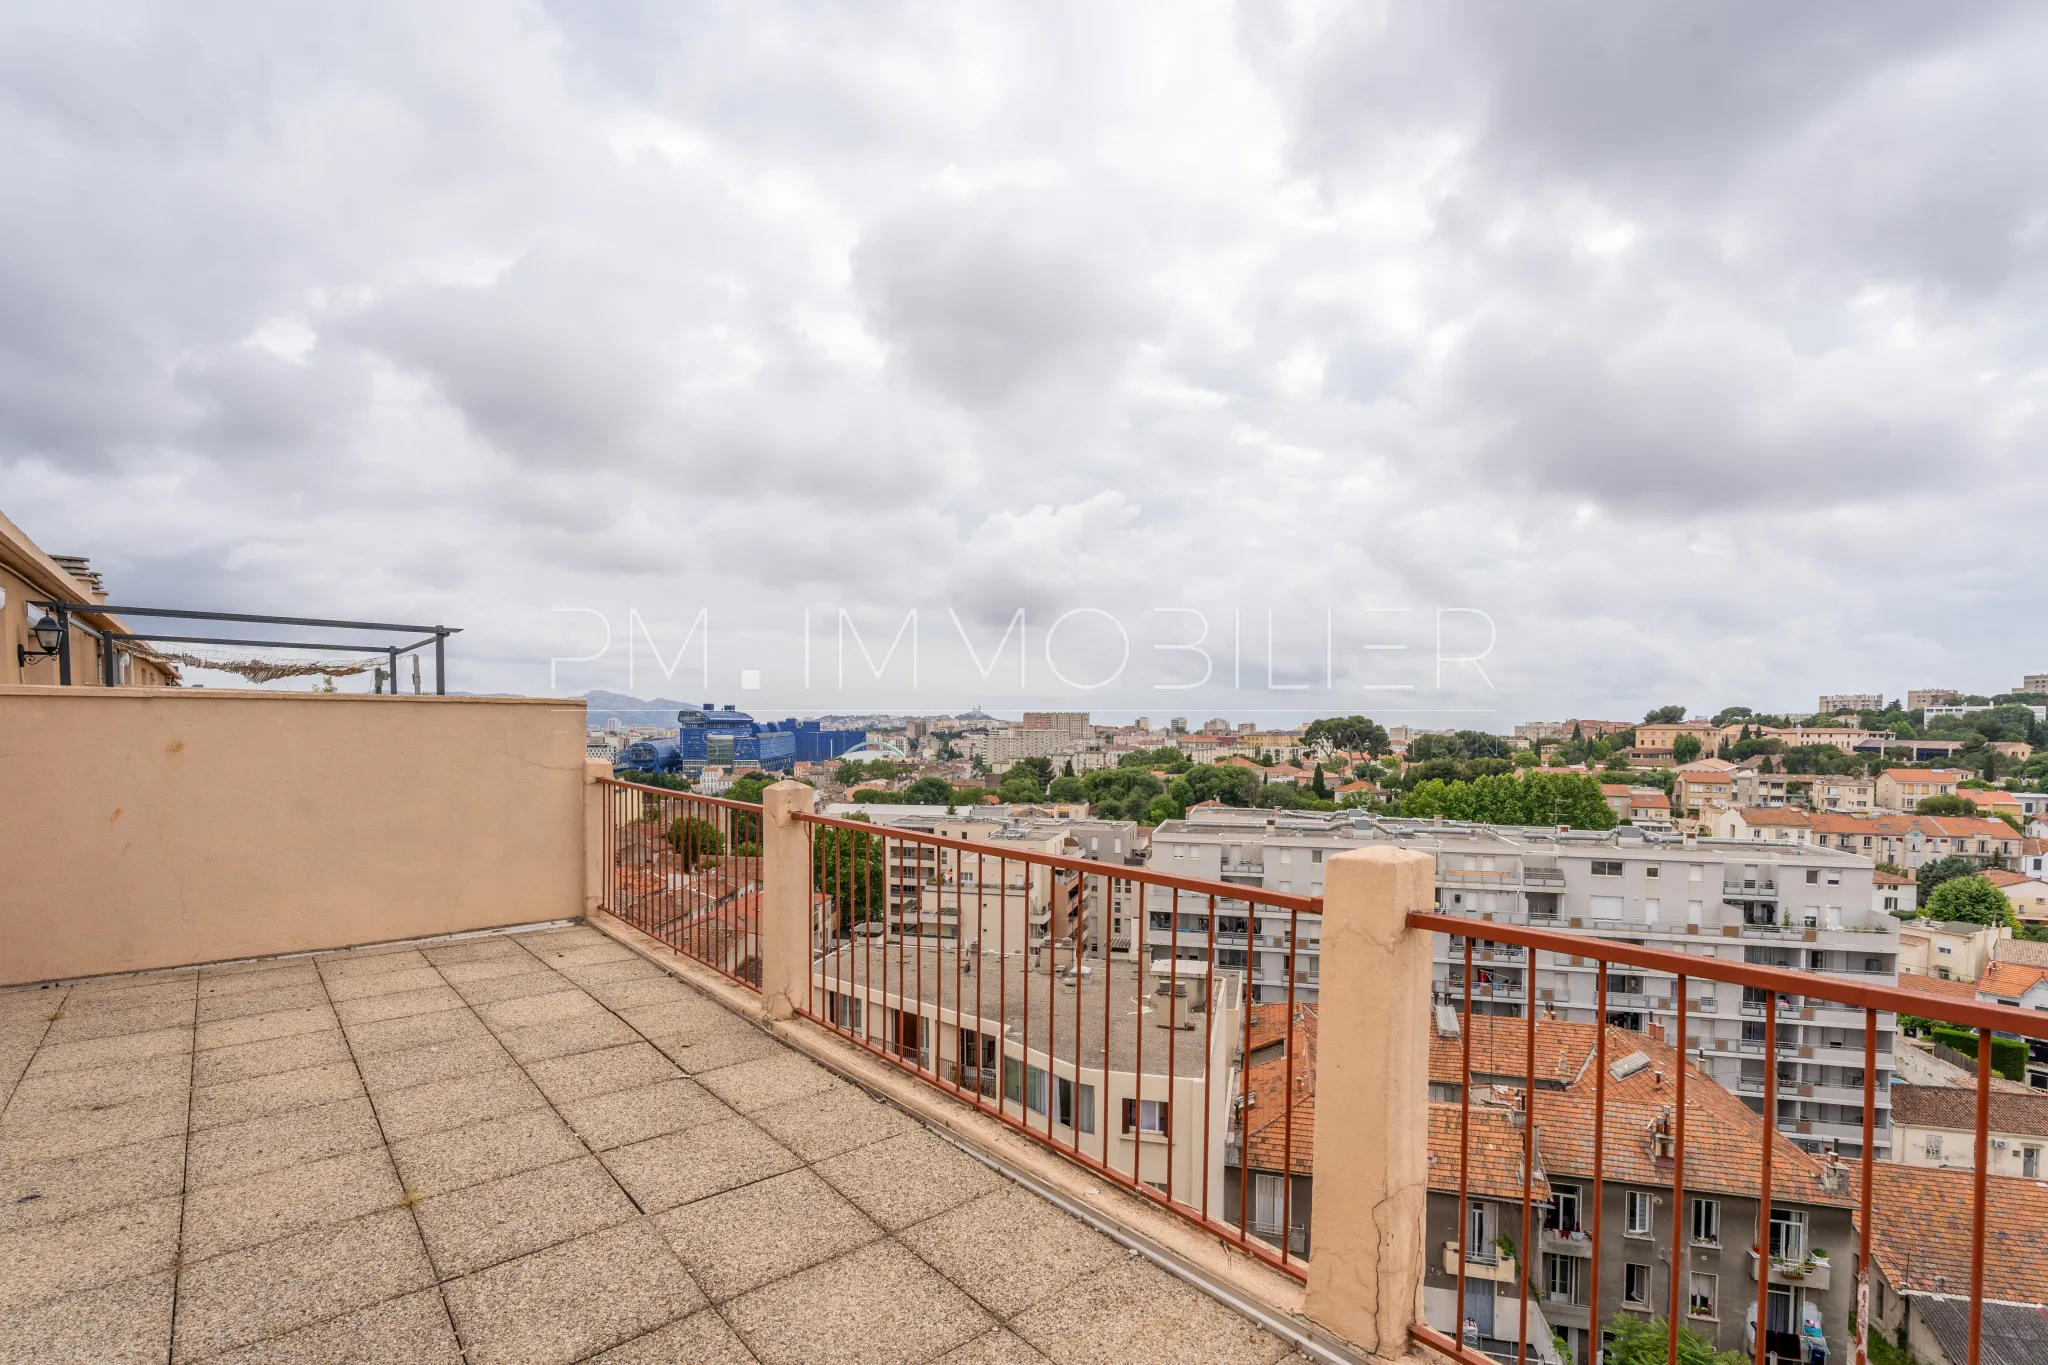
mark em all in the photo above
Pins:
pixel 459 1102
pixel 502 1219
pixel 489 948
pixel 435 1062
pixel 572 1300
pixel 83 1253
pixel 1011 1249
pixel 1000 1347
pixel 460 973
pixel 1134 1310
pixel 46 1192
pixel 564 1037
pixel 93 1053
pixel 123 1323
pixel 278 1093
pixel 666 1171
pixel 908 1179
pixel 268 1056
pixel 539 981
pixel 294 994
pixel 688 1013
pixel 256 976
pixel 59 1133
pixel 700 1339
pixel 742 1239
pixel 84 1022
pixel 406 1032
pixel 628 1067
pixel 256 1028
pixel 821 1126
pixel 238 1151
pixel 99 1087
pixel 484 1151
pixel 628 992
pixel 413 1329
pixel 727 1043
pixel 396 1004
pixel 775 1079
pixel 265 1291
pixel 127 993
pixel 873 1305
pixel 627 1116
pixel 552 1008
pixel 349 989
pixel 289 1200
pixel 370 960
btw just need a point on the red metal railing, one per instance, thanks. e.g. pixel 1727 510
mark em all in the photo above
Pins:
pixel 686 869
pixel 1687 969
pixel 1021 981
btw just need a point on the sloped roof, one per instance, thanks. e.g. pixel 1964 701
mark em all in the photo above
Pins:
pixel 1955 1107
pixel 1921 1240
pixel 1941 986
pixel 1774 815
pixel 2010 978
pixel 1496 1147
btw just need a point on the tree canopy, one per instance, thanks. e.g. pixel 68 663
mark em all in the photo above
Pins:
pixel 1933 873
pixel 1973 899
pixel 1664 715
pixel 1355 733
pixel 1537 798
pixel 1463 746
pixel 1685 747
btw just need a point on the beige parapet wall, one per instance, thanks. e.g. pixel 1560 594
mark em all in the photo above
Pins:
pixel 153 827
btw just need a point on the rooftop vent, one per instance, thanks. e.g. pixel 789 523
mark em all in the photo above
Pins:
pixel 1629 1065
pixel 1446 1022
pixel 81 569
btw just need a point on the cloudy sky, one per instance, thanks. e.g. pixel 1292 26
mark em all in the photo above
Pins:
pixel 1690 352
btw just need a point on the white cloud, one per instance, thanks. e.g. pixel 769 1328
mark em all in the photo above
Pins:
pixel 1691 346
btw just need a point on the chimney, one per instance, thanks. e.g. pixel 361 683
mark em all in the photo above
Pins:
pixel 80 568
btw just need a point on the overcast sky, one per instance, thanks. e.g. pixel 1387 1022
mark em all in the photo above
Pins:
pixel 1700 347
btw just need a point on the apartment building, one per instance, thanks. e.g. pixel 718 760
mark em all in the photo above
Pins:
pixel 1850 701
pixel 1920 698
pixel 1715 1233
pixel 1923 1253
pixel 1763 825
pixel 1703 788
pixel 1947 950
pixel 33 651
pixel 1792 904
pixel 1906 788
pixel 2034 682
pixel 1936 1125
pixel 1910 840
pixel 1816 791
pixel 1141 1104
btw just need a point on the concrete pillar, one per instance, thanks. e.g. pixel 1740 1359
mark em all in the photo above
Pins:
pixel 597 855
pixel 785 898
pixel 1372 1099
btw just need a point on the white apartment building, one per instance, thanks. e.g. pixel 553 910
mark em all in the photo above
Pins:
pixel 1850 701
pixel 1793 905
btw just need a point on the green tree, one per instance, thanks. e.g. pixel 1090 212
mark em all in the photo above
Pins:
pixel 1122 793
pixel 1066 788
pixel 1068 770
pixel 1945 805
pixel 1165 758
pixel 694 839
pixel 1665 715
pixel 1212 782
pixel 1973 899
pixel 1636 1342
pixel 1347 732
pixel 929 791
pixel 846 865
pixel 1932 874
pixel 1318 785
pixel 1685 748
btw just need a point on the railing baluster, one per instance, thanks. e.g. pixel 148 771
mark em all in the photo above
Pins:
pixel 1679 1232
pixel 1528 1166
pixel 1763 1207
pixel 1981 1209
pixel 1464 1147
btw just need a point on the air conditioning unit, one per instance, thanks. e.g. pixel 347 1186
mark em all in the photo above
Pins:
pixel 1998 1144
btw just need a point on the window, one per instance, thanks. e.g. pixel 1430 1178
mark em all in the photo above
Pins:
pixel 1706 1222
pixel 1315 855
pixel 1934 1146
pixel 1013 1080
pixel 1652 871
pixel 1034 1089
pixel 1813 876
pixel 1788 1235
pixel 1562 1276
pixel 1080 1117
pixel 1635 1286
pixel 1606 868
pixel 1147 1117
pixel 1564 1207
pixel 1637 1223
pixel 1705 1289
pixel 1266 1201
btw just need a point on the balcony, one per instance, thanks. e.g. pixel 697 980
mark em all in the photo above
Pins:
pixel 1810 1274
pixel 1485 1263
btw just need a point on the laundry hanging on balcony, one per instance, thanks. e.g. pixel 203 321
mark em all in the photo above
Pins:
pixel 270 670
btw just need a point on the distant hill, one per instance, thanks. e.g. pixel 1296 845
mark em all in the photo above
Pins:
pixel 608 706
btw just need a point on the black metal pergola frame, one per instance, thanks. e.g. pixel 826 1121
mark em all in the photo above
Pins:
pixel 67 612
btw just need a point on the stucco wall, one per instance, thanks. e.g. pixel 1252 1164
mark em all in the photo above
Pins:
pixel 151 828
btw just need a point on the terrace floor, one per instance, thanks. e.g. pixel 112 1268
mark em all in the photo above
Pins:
pixel 512 1147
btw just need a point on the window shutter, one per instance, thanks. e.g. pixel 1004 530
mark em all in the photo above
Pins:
pixel 1130 1114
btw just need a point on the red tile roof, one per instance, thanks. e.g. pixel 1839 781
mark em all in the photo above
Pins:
pixel 1935 985
pixel 1496 1146
pixel 2010 978
pixel 1921 1241
pixel 1954 1107
pixel 1773 815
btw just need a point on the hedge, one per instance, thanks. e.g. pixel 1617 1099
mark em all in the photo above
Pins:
pixel 2008 1055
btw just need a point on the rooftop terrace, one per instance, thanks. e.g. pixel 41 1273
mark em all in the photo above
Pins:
pixel 513 1146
